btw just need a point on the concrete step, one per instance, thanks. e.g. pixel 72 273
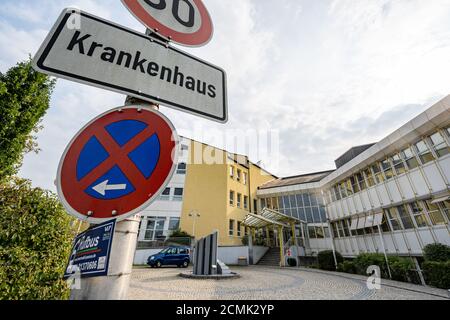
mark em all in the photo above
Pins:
pixel 271 258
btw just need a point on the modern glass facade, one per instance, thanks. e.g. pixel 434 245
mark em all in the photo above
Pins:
pixel 308 207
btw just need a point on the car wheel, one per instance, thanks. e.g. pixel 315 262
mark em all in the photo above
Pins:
pixel 185 264
pixel 158 264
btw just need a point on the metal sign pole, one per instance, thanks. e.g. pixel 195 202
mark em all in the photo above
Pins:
pixel 116 284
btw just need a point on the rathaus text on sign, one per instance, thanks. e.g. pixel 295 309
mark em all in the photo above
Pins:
pixel 112 57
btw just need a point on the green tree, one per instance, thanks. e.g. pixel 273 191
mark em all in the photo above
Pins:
pixel 24 100
pixel 35 243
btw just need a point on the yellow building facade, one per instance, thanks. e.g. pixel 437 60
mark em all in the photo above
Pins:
pixel 220 189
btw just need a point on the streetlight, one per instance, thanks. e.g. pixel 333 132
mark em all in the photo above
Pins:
pixel 194 214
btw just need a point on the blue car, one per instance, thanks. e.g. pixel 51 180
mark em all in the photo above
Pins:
pixel 171 256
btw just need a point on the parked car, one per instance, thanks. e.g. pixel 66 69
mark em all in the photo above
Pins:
pixel 171 256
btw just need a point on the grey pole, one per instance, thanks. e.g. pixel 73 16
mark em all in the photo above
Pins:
pixel 384 251
pixel 332 244
pixel 115 285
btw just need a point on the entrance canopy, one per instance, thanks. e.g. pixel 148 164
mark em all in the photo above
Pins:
pixel 269 217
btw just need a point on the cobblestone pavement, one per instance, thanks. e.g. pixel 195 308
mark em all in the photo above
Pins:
pixel 265 283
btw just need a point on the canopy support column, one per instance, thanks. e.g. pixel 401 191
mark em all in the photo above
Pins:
pixel 281 240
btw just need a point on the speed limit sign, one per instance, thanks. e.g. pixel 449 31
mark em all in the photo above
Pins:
pixel 186 22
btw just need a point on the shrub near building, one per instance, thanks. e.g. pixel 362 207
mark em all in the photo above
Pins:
pixel 326 260
pixel 436 267
pixel 35 243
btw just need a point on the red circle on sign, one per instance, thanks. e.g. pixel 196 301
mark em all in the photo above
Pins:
pixel 196 39
pixel 72 190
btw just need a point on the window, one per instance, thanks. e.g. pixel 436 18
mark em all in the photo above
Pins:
pixel 239 198
pixel 418 214
pixel 269 203
pixel 336 192
pixel 377 172
pixel 183 251
pixel 231 228
pixel 245 202
pixel 384 224
pixel 244 178
pixel 446 206
pixel 174 223
pixel 409 158
pixel 348 186
pixel 387 169
pixel 165 195
pixel 231 171
pixel 345 228
pixel 405 217
pixel 181 169
pixel 361 181
pixel 274 203
pixel 369 176
pixel 238 175
pixel 255 206
pixel 239 228
pixel 232 198
pixel 434 212
pixel 340 229
pixel 178 194
pixel 335 231
pixel 343 189
pixel 354 183
pixel 312 232
pixel 394 218
pixel 423 152
pixel 319 233
pixel 326 232
pixel 399 166
pixel 155 228
pixel 263 203
pixel 439 144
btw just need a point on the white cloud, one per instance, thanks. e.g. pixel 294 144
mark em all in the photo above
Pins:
pixel 327 74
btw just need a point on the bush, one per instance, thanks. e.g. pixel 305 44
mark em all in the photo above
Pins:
pixel 347 267
pixel 437 252
pixel 401 268
pixel 35 243
pixel 326 260
pixel 437 274
pixel 365 260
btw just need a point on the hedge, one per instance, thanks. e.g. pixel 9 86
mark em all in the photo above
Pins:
pixel 35 242
pixel 326 260
pixel 401 268
pixel 347 267
pixel 436 252
pixel 437 274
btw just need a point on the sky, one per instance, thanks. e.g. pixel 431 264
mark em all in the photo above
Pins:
pixel 321 75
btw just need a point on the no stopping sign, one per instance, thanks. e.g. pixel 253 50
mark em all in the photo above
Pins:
pixel 117 165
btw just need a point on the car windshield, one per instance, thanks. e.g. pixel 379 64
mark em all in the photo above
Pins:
pixel 165 250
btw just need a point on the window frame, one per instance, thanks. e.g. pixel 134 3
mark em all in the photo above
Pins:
pixel 231 195
pixel 231 227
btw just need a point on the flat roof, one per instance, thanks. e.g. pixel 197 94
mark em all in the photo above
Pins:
pixel 294 180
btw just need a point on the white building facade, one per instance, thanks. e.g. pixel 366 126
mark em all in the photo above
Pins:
pixel 162 217
pixel 393 197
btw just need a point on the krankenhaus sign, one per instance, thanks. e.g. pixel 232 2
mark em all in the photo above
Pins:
pixel 97 52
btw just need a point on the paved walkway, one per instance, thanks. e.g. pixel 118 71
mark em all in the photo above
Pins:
pixel 272 284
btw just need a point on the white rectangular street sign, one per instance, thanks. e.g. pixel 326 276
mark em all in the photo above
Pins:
pixel 84 48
